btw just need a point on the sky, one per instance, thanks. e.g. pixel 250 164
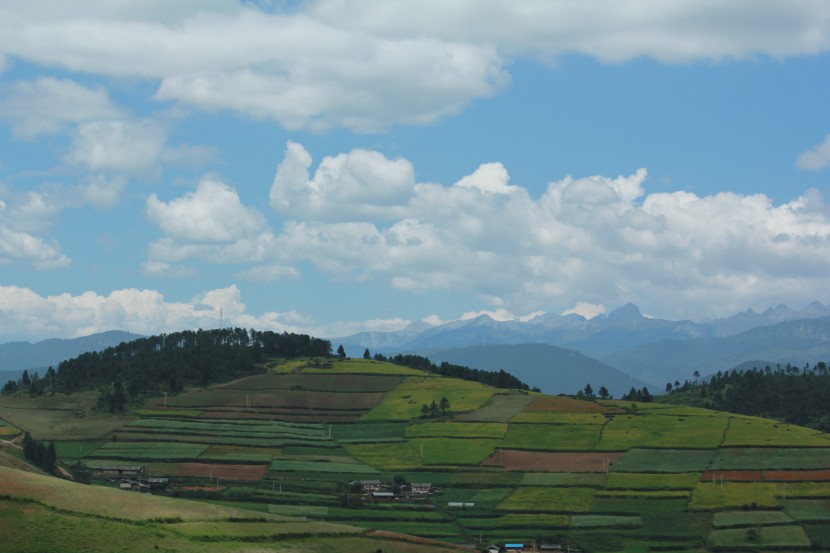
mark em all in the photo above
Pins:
pixel 330 167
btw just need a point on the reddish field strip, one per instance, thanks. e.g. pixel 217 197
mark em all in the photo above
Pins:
pixel 542 461
pixel 569 405
pixel 732 476
pixel 223 471
pixel 797 475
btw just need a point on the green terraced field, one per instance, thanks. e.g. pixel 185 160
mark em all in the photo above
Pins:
pixel 651 481
pixel 568 500
pixel 550 437
pixel 283 465
pixel 446 429
pixel 663 460
pixel 708 496
pixel 405 401
pixel 664 431
pixel 735 458
pixel 726 519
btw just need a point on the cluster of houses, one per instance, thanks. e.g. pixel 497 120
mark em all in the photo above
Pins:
pixel 376 490
pixel 515 547
pixel 130 477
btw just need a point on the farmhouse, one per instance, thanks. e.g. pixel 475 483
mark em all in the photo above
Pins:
pixel 118 470
pixel 421 488
pixel 369 485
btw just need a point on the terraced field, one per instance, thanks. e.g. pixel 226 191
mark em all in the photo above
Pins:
pixel 500 465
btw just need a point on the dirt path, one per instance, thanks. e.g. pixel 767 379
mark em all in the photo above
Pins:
pixel 13 442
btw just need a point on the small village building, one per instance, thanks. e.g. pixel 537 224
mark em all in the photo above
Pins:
pixel 383 496
pixel 421 488
pixel 370 485
pixel 156 483
pixel 118 470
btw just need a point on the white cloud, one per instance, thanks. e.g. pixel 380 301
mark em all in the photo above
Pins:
pixel 817 157
pixel 20 224
pixel 213 213
pixel 48 105
pixel 269 273
pixel 121 146
pixel 359 185
pixel 30 316
pixel 367 67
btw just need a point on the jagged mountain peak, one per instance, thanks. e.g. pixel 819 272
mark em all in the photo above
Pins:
pixel 628 312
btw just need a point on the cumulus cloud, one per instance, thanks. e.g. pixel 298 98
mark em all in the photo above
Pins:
pixel 30 316
pixel 213 213
pixel 359 185
pixel 583 237
pixel 378 64
pixel 585 309
pixel 817 157
pixel 20 225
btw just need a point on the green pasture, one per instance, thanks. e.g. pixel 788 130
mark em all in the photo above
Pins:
pixel 600 521
pixel 398 456
pixel 813 510
pixel 60 417
pixel 501 407
pixel 577 479
pixel 805 490
pixel 405 401
pixel 755 431
pixel 665 431
pixel 708 496
pixel 754 458
pixel 368 432
pixel 392 513
pixel 515 520
pixel 317 511
pixel 149 450
pixel 650 494
pixel 663 460
pixel 727 519
pixel 282 465
pixel 169 413
pixel 235 428
pixel 69 451
pixel 662 517
pixel 454 451
pixel 550 437
pixel 652 481
pixel 291 528
pixel 448 429
pixel 548 499
pixel 767 536
pixel 212 440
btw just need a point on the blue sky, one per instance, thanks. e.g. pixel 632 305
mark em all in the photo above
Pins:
pixel 331 167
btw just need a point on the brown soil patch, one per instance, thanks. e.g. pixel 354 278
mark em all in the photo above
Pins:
pixel 569 405
pixel 732 476
pixel 797 475
pixel 542 461
pixel 223 471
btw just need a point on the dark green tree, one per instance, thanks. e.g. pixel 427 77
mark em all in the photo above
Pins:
pixel 366 354
pixel 341 353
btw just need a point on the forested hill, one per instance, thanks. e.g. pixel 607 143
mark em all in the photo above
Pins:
pixel 168 362
pixel 790 394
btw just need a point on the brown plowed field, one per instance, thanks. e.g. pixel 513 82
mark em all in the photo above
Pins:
pixel 797 475
pixel 732 476
pixel 542 461
pixel 223 471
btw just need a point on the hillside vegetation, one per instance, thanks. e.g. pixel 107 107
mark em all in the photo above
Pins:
pixel 318 437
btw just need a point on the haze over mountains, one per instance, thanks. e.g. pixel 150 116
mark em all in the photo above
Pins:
pixel 653 351
pixel 559 354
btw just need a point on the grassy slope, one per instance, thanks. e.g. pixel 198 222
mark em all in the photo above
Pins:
pixel 665 451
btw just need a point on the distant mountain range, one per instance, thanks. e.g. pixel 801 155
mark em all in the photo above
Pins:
pixel 15 357
pixel 652 350
pixel 552 369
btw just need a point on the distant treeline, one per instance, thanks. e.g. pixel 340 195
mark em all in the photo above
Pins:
pixel 500 379
pixel 793 395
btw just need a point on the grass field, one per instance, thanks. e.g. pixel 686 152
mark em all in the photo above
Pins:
pixel 663 460
pixel 60 417
pixel 588 479
pixel 399 456
pixel 406 400
pixel 770 458
pixel 516 521
pixel 549 437
pixel 568 500
pixel 283 465
pixel 446 429
pixel 149 450
pixel 815 510
pixel 651 481
pixel 768 536
pixel 665 431
pixel 708 496
pixel 600 521
pixel 454 451
pixel 726 519
pixel 754 431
